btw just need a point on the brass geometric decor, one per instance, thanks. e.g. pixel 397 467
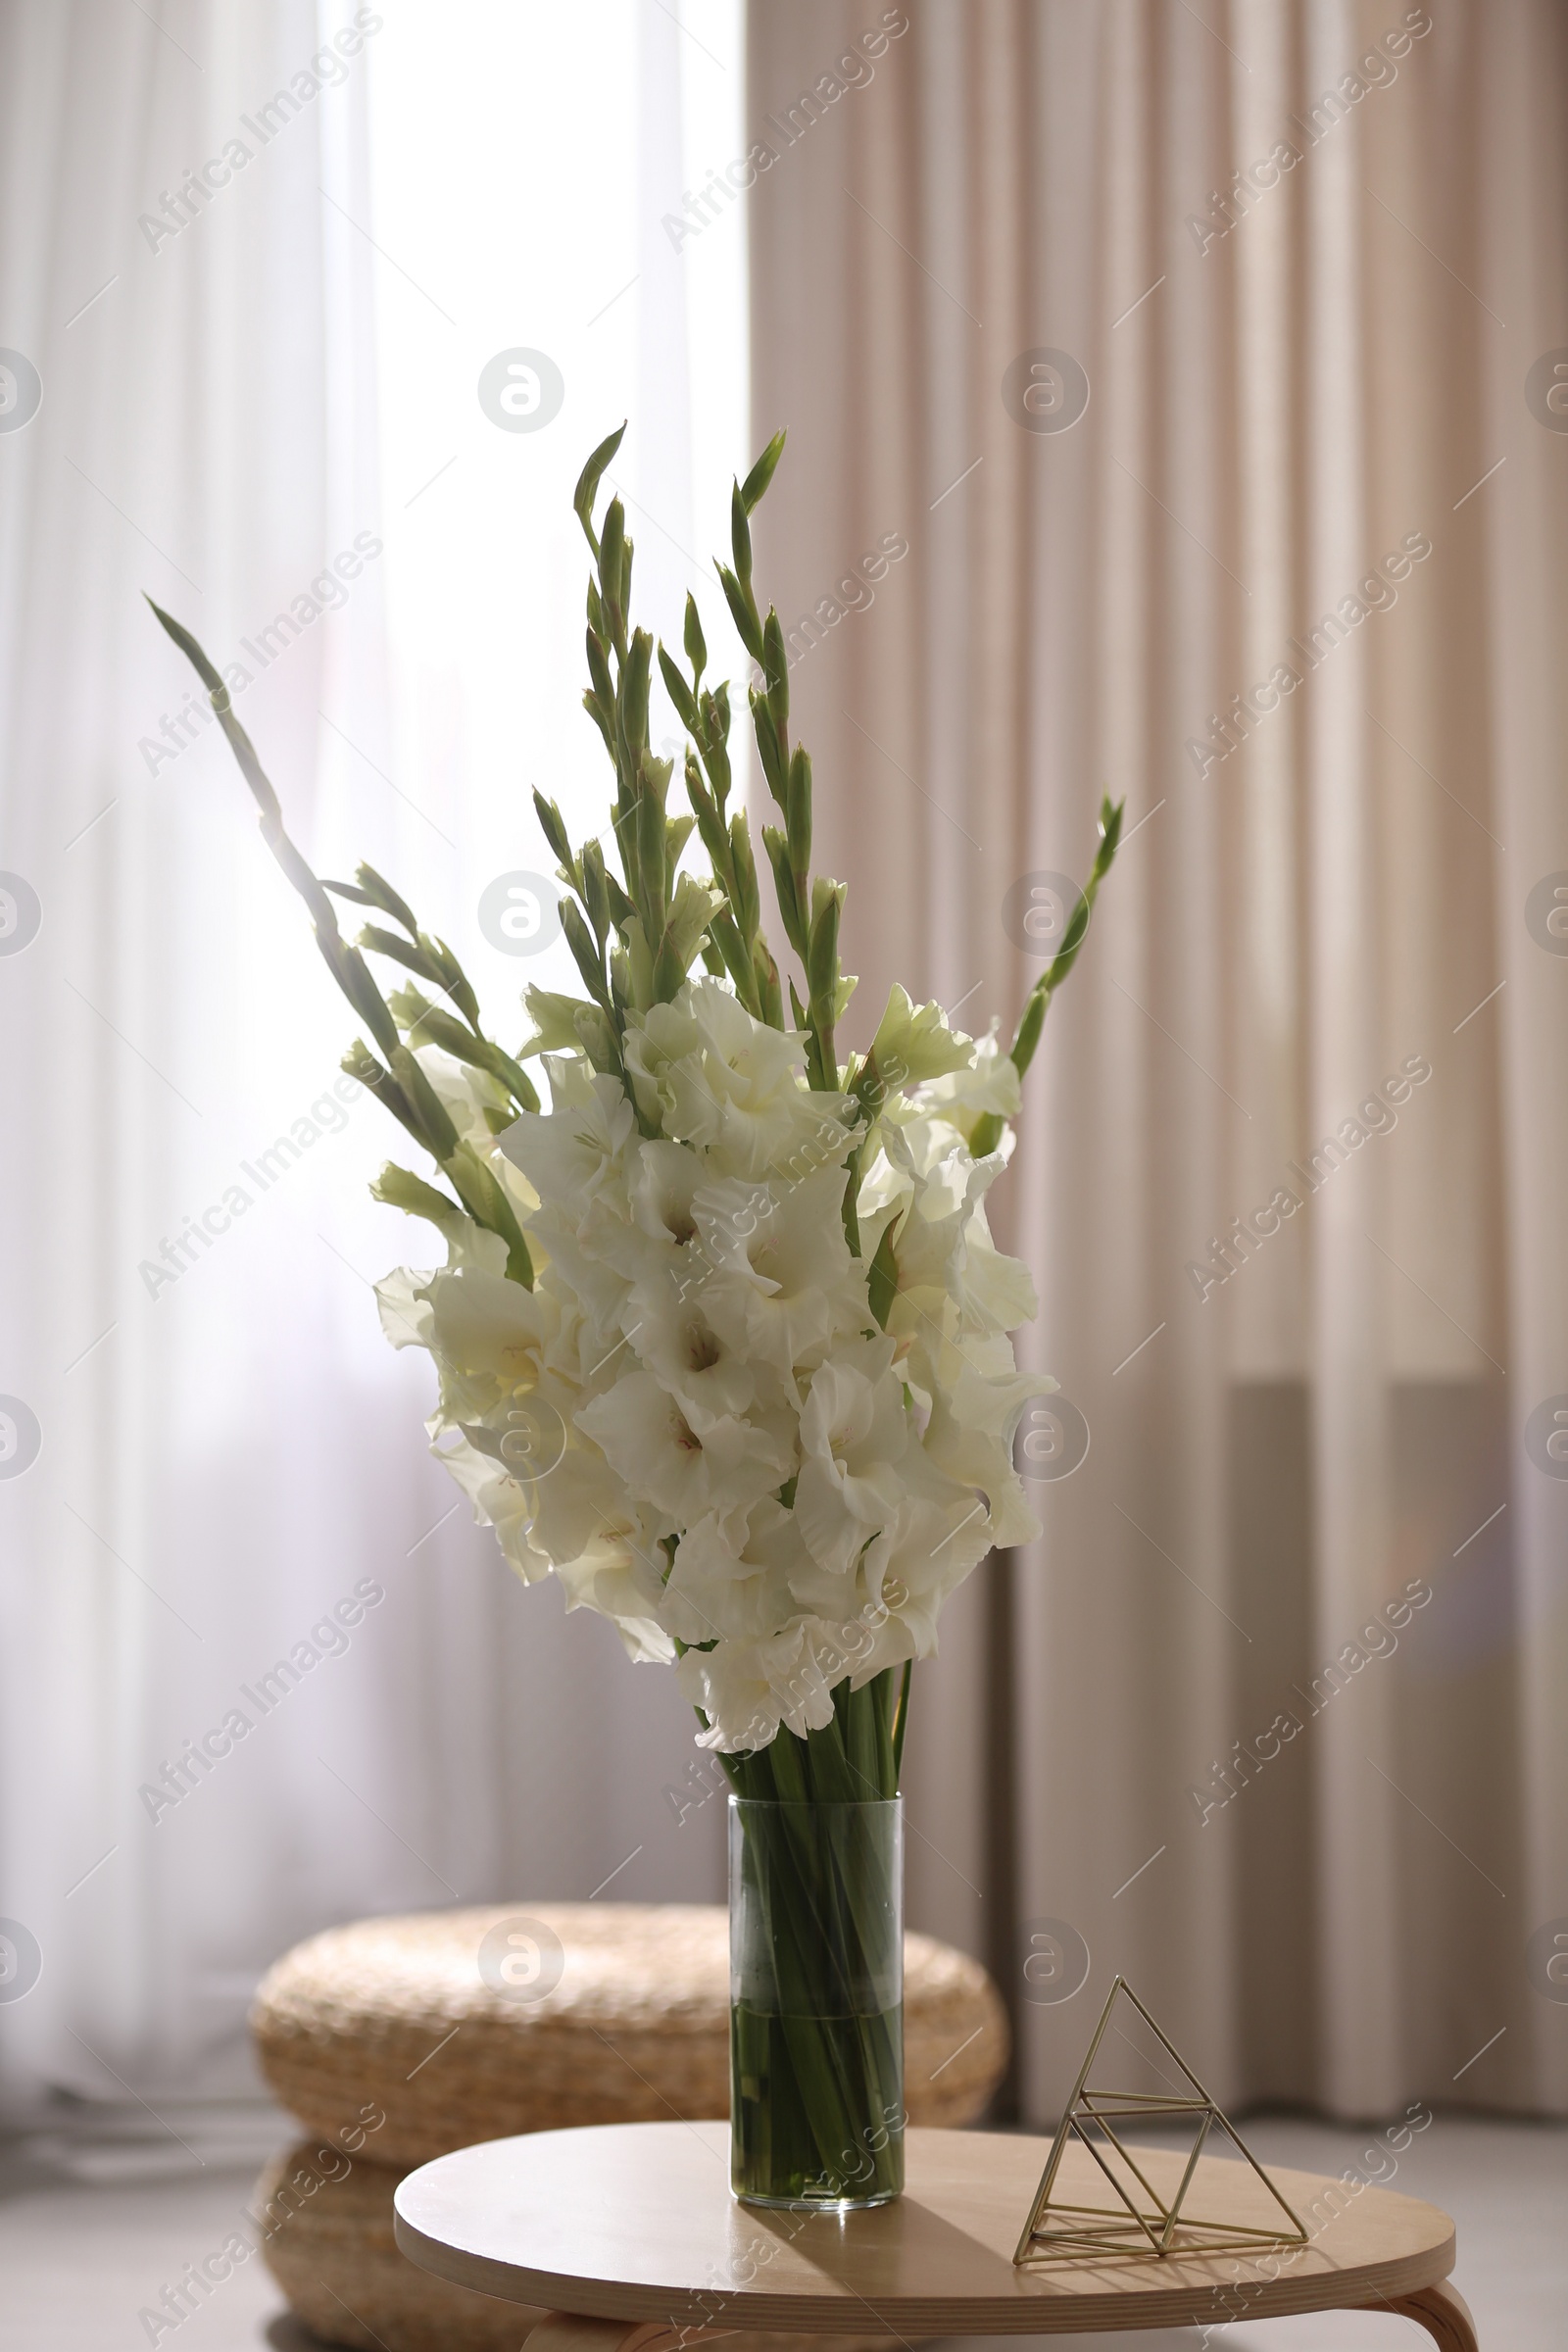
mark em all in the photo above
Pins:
pixel 1144 2224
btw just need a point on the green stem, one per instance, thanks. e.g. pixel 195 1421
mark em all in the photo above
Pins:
pixel 989 1128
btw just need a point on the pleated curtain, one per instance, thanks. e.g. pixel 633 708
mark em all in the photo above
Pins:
pixel 1162 423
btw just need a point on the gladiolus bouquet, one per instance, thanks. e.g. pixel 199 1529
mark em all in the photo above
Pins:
pixel 722 1336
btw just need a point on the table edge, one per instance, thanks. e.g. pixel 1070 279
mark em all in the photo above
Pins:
pixel 933 2315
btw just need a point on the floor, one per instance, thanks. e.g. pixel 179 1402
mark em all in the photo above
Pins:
pixel 91 2228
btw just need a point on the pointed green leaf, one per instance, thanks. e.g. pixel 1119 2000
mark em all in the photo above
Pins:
pixel 775 668
pixel 440 1135
pixel 740 536
pixel 882 1280
pixel 694 643
pixel 747 627
pixel 587 490
pixel 585 952
pixel 383 895
pixel 681 693
pixel 761 473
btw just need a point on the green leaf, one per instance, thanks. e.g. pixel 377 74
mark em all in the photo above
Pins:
pixel 352 974
pixel 740 536
pixel 361 1064
pixel 440 1135
pixel 482 1193
pixel 380 893
pixel 733 950
pixel 769 996
pixel 511 1076
pixel 681 693
pixel 596 889
pixel 1037 1001
pixel 454 980
pixel 190 649
pixel 413 958
pixel 797 811
pixel 822 959
pixel 651 852
pixel 761 473
pixel 768 748
pixel 625 575
pixel 634 682
pixel 748 898
pixel 882 1281
pixel 599 671
pixel 709 821
pixel 409 1006
pixel 694 643
pixel 611 547
pixel 437 1028
pixel 778 857
pixel 585 954
pixel 552 826
pixel 743 613
pixel 587 490
pixel 776 669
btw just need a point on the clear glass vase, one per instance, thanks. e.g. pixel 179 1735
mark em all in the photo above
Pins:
pixel 817 2002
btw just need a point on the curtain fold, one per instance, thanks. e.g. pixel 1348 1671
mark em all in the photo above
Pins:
pixel 1265 1717
pixel 228 1453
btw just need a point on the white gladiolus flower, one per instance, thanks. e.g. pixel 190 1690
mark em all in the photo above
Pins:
pixel 785 1284
pixel 854 1435
pixel 915 1042
pixel 988 1083
pixel 693 1418
pixel 681 1461
pixel 924 1556
pixel 715 1078
pixel 498 1501
pixel 748 1689
pixel 618 1575
pixel 718 1590
pixel 677 1338
pixel 467 1094
pixel 573 1155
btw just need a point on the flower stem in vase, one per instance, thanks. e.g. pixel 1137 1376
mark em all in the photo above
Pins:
pixel 816 2041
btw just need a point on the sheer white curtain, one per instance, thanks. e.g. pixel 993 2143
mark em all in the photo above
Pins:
pixel 259 398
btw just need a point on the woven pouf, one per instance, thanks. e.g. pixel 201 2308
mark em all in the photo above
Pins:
pixel 327 2240
pixel 398 2040
pixel 619 2014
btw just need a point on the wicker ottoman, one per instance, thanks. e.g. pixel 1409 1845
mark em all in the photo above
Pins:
pixel 397 2040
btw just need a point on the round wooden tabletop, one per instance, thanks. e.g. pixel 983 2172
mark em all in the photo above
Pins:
pixel 635 2221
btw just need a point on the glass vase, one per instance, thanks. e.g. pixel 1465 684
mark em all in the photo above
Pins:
pixel 817 2002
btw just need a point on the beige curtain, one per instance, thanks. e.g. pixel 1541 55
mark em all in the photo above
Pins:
pixel 1292 583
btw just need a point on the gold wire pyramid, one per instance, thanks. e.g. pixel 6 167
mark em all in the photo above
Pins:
pixel 1058 2231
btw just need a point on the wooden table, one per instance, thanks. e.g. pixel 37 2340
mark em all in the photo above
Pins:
pixel 627 2238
